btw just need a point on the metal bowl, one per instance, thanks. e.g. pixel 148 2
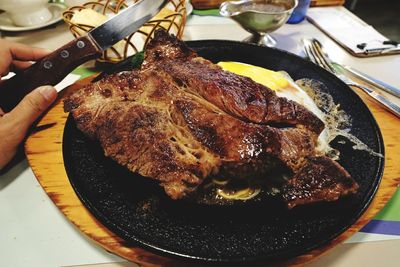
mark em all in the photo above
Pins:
pixel 259 17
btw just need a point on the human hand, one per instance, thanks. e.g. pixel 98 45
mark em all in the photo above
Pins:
pixel 15 124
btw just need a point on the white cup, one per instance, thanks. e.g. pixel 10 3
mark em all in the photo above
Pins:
pixel 27 12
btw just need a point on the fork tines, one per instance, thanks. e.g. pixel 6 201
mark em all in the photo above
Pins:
pixel 313 49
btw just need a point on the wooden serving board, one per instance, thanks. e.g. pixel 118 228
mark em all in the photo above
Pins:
pixel 44 152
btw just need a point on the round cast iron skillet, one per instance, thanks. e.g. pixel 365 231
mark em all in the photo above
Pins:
pixel 137 209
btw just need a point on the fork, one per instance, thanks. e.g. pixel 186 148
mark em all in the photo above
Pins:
pixel 316 54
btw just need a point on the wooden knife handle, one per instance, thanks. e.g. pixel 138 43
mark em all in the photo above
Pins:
pixel 50 70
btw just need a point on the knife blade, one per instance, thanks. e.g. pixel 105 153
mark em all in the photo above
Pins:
pixel 373 81
pixel 51 69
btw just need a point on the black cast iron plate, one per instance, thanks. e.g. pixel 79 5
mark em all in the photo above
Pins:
pixel 138 210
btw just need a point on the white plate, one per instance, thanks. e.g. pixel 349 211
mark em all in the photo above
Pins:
pixel 189 8
pixel 7 25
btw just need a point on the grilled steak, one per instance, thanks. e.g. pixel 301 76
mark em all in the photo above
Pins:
pixel 320 179
pixel 180 118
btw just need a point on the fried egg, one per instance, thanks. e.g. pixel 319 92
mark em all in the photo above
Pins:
pixel 278 81
pixel 284 86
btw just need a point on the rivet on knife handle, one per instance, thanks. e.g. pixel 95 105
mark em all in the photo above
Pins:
pixel 48 71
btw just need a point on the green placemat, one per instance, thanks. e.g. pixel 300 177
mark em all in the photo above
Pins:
pixel 206 12
pixel 85 72
pixel 391 212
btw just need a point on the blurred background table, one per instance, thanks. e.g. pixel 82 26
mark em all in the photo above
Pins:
pixel 35 233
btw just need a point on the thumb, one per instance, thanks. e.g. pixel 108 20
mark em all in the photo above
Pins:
pixel 33 105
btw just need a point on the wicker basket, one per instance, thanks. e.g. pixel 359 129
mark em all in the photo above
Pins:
pixel 172 18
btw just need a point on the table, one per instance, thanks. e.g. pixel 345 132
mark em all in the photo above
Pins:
pixel 35 233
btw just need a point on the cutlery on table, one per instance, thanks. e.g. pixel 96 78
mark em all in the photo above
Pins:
pixel 53 68
pixel 315 53
pixel 370 80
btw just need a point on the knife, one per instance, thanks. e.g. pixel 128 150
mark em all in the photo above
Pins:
pixel 53 68
pixel 371 80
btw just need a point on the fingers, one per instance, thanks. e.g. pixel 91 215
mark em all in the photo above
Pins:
pixel 5 61
pixel 19 65
pixel 14 125
pixel 32 106
pixel 13 53
pixel 24 52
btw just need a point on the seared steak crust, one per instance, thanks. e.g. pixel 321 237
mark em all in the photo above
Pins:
pixel 180 119
pixel 320 179
pixel 237 95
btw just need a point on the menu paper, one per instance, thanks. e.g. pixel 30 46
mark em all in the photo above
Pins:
pixel 348 30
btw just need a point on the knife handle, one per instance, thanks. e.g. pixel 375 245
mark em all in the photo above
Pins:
pixel 50 70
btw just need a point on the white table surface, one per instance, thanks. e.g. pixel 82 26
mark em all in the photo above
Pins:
pixel 33 232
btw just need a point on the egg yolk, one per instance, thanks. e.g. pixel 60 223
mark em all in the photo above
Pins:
pixel 272 79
